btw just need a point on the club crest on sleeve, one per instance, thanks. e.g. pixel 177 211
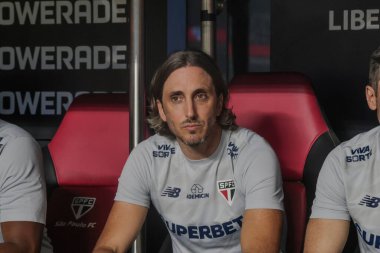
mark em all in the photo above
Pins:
pixel 226 188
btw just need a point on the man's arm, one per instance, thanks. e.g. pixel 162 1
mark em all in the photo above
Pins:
pixel 261 230
pixel 21 237
pixel 329 223
pixel 124 223
pixel 326 235
pixel 23 200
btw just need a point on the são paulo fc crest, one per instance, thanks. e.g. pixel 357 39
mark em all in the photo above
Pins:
pixel 226 188
pixel 82 205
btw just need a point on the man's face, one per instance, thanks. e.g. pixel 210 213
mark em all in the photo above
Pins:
pixel 190 106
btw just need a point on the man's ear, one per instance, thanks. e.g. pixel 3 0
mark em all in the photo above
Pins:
pixel 370 94
pixel 161 110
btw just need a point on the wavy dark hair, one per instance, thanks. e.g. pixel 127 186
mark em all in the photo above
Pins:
pixel 374 69
pixel 179 60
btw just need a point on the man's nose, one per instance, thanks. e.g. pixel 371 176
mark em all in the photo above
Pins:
pixel 190 109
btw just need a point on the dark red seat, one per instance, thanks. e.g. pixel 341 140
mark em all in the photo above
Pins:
pixel 83 162
pixel 283 108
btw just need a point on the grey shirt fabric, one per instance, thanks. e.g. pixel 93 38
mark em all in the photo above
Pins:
pixel 22 185
pixel 202 201
pixel 349 187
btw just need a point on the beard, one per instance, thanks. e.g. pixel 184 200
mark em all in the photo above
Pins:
pixel 194 142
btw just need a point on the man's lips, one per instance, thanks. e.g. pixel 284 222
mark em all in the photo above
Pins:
pixel 191 126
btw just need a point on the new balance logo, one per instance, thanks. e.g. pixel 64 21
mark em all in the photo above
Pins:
pixel 1 145
pixel 171 192
pixel 369 201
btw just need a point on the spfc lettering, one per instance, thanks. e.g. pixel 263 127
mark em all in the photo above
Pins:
pixel 82 205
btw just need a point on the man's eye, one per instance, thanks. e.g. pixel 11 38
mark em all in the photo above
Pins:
pixel 176 98
pixel 201 96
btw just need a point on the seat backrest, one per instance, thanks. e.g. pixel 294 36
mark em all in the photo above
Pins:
pixel 283 108
pixel 83 162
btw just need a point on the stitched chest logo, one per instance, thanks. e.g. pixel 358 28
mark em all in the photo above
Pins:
pixel 171 192
pixel 359 154
pixel 369 201
pixel 232 150
pixel 226 188
pixel 197 192
pixel 163 151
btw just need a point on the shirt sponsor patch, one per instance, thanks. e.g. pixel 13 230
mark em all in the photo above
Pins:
pixel 197 192
pixel 369 238
pixel 200 232
pixel 226 188
pixel 359 154
pixel 163 151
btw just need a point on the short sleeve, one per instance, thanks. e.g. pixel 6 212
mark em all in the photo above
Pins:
pixel 134 180
pixel 23 196
pixel 260 176
pixel 330 198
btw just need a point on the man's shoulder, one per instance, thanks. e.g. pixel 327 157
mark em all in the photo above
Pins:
pixel 243 133
pixel 12 131
pixel 11 134
pixel 370 138
pixel 249 144
pixel 155 141
pixel 358 149
pixel 245 137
